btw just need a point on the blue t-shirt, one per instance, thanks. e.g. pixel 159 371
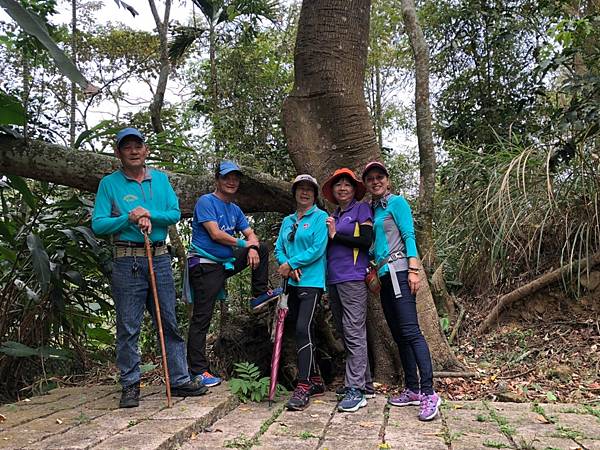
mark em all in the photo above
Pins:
pixel 228 216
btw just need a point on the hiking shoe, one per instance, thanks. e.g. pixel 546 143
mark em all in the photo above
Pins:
pixel 352 401
pixel 406 397
pixel 189 389
pixel 369 392
pixel 130 396
pixel 207 379
pixel 300 398
pixel 317 387
pixel 429 406
pixel 265 298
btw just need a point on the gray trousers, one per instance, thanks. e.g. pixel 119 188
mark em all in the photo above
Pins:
pixel 348 302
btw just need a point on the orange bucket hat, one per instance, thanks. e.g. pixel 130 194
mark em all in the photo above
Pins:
pixel 359 187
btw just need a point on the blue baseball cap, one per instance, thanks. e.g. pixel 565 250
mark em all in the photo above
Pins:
pixel 227 167
pixel 129 132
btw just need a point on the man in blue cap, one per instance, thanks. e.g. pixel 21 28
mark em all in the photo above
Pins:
pixel 217 253
pixel 131 201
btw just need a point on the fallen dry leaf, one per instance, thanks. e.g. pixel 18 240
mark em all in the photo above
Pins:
pixel 318 401
pixel 541 419
pixel 366 424
pixel 2 418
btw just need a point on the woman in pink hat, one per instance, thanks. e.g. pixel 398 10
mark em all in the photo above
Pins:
pixel 395 253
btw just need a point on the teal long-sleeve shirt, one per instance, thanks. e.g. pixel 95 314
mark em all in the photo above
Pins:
pixel 394 231
pixel 308 250
pixel 118 195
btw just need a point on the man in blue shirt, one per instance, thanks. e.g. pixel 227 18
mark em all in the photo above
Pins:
pixel 216 254
pixel 131 201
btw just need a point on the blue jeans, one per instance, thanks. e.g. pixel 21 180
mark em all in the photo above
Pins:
pixel 401 316
pixel 132 294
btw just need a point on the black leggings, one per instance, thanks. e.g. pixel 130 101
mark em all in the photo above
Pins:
pixel 302 304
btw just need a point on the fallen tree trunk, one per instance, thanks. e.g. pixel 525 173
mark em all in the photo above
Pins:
pixel 84 170
pixel 534 286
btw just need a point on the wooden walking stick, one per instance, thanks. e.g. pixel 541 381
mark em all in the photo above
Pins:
pixel 158 318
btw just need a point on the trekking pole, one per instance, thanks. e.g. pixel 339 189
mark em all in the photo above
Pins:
pixel 158 318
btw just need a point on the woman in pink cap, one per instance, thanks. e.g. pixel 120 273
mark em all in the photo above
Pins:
pixel 395 253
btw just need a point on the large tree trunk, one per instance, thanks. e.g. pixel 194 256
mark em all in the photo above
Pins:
pixel 327 126
pixel 84 170
pixel 424 133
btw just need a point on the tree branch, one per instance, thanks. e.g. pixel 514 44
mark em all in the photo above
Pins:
pixel 84 170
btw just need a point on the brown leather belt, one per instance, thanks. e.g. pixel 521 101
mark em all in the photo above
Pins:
pixel 120 252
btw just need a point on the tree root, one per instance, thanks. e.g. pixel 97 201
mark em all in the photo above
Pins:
pixel 443 374
pixel 534 286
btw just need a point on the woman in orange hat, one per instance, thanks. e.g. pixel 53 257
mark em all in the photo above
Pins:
pixel 350 230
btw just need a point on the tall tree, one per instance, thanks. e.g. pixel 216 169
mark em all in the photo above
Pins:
pixel 327 125
pixel 424 132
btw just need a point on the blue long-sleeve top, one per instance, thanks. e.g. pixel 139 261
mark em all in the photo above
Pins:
pixel 308 250
pixel 394 231
pixel 118 195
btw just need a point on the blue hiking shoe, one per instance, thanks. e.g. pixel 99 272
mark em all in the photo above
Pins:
pixel 352 401
pixel 207 379
pixel 265 298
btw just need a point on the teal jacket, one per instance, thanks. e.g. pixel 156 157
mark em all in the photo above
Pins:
pixel 308 250
pixel 394 232
pixel 118 195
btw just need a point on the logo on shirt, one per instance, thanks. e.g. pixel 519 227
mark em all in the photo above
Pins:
pixel 130 198
pixel 346 219
pixel 306 225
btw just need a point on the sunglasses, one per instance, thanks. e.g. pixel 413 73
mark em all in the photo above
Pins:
pixel 292 234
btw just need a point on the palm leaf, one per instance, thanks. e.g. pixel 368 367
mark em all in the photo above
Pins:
pixel 34 25
pixel 182 38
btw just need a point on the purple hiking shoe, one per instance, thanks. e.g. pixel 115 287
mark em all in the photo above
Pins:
pixel 429 406
pixel 406 398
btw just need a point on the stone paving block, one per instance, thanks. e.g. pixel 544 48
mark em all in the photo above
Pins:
pixel 365 425
pixel 300 429
pixel 586 424
pixel 590 444
pixel 13 440
pixel 128 441
pixel 76 438
pixel 245 420
pixel 165 426
pixel 405 431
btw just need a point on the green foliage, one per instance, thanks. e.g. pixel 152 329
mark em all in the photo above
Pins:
pixel 254 77
pixel 494 444
pixel 52 284
pixel 11 110
pixel 36 26
pixel 444 324
pixel 242 442
pixel 248 385
pixel 483 56
pixel 19 350
pixel 514 211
